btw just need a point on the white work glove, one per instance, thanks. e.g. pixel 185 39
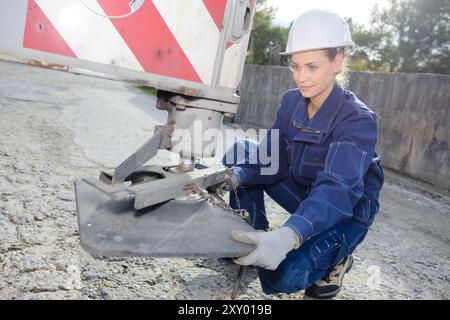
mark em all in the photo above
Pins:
pixel 230 182
pixel 271 247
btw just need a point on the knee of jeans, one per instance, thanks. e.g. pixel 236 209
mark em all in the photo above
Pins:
pixel 238 152
pixel 291 276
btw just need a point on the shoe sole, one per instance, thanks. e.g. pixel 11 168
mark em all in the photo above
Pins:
pixel 331 294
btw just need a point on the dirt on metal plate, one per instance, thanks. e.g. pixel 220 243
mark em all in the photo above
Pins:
pixel 182 229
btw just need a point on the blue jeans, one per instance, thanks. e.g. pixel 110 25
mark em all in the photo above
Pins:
pixel 317 256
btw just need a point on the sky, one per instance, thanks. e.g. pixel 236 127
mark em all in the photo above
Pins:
pixel 359 10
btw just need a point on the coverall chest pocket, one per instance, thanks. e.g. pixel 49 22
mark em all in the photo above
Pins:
pixel 308 155
pixel 312 161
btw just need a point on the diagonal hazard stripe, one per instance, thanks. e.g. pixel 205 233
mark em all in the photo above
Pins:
pixel 175 38
pixel 216 9
pixel 195 30
pixel 41 35
pixel 150 40
pixel 88 35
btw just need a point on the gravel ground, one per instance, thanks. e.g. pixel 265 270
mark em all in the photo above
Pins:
pixel 57 126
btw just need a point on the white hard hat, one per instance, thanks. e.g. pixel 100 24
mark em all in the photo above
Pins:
pixel 319 29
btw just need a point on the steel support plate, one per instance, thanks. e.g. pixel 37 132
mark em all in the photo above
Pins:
pixel 184 229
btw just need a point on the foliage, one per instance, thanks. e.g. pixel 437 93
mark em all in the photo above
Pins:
pixel 406 36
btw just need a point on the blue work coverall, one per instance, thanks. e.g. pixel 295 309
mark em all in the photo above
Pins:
pixel 329 180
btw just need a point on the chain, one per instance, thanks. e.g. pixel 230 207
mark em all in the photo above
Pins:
pixel 215 199
pixel 240 274
pixel 236 198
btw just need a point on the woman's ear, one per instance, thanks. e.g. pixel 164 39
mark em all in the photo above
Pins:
pixel 338 63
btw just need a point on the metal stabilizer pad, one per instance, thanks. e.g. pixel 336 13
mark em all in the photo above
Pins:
pixel 184 229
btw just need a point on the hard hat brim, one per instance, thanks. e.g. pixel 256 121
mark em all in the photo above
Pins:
pixel 349 49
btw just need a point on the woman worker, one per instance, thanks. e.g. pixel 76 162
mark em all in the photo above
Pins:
pixel 329 175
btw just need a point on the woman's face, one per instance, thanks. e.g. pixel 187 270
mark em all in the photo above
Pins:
pixel 314 73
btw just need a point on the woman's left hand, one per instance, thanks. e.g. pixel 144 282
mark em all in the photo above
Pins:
pixel 271 247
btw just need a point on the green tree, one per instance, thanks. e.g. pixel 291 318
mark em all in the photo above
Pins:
pixel 266 40
pixel 408 36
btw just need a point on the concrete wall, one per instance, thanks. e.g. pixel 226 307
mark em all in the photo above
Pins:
pixel 413 111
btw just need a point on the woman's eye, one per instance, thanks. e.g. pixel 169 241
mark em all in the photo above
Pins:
pixel 294 67
pixel 312 68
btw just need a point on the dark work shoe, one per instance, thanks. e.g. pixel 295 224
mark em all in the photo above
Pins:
pixel 330 286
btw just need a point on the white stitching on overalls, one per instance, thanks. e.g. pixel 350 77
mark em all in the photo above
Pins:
pixel 332 159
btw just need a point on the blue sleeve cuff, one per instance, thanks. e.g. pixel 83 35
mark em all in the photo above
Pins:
pixel 302 226
pixel 240 175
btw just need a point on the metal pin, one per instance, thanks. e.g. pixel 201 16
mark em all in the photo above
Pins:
pixel 237 284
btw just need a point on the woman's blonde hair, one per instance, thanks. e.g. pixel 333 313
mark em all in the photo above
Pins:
pixel 341 77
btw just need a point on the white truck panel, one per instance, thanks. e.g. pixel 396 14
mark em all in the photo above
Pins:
pixel 193 47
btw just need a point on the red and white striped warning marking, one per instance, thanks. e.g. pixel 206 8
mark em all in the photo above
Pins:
pixel 176 38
